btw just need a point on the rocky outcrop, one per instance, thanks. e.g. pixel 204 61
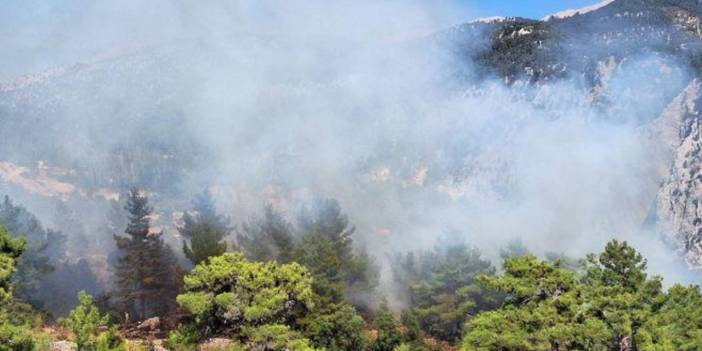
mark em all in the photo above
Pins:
pixel 679 204
pixel 63 346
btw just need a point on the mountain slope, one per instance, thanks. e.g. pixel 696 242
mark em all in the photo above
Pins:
pixel 589 46
pixel 304 116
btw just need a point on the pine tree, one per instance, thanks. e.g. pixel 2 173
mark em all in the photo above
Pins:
pixel 14 332
pixel 442 288
pixel 389 335
pixel 44 248
pixel 621 294
pixel 324 218
pixel 268 237
pixel 146 271
pixel 10 250
pixel 205 229
pixel 326 249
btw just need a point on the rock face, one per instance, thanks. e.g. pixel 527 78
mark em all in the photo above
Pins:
pixel 679 205
pixel 590 45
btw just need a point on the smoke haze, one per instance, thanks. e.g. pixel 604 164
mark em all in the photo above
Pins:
pixel 362 101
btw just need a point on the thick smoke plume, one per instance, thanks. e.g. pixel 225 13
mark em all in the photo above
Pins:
pixel 272 101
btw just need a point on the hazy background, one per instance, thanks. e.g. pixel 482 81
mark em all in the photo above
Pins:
pixel 285 101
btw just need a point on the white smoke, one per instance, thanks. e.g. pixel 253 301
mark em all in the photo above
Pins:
pixel 285 100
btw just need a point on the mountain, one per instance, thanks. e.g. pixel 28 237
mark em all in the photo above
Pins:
pixel 302 115
pixel 588 45
pixel 561 46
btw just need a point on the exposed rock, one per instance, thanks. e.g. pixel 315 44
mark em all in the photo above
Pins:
pixel 151 324
pixel 63 346
pixel 679 214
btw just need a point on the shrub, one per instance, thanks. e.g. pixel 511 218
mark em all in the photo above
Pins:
pixel 15 338
pixel 184 338
pixel 389 335
pixel 228 293
pixel 337 330
pixel 275 337
pixel 86 323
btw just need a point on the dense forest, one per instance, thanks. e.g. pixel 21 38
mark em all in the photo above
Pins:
pixel 270 283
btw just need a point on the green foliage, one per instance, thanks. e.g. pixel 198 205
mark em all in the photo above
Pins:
pixel 15 338
pixel 389 335
pixel 184 338
pixel 326 249
pixel 267 238
pixel 88 325
pixel 84 321
pixel 10 250
pixel 42 248
pixel 205 229
pixel 205 241
pixel 680 318
pixel 410 321
pixel 514 248
pixel 620 294
pixel 336 328
pixel 110 340
pixel 147 275
pixel 274 337
pixel 615 306
pixel 542 311
pixel 317 253
pixel 15 326
pixel 229 292
pixel 620 265
pixel 441 287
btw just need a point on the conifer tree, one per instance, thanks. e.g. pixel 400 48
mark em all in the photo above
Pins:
pixel 14 333
pixel 43 249
pixel 146 271
pixel 205 229
pixel 326 249
pixel 268 237
pixel 441 285
pixel 10 251
pixel 324 218
pixel 389 335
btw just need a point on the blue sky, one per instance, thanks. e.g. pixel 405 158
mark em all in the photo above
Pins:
pixel 523 8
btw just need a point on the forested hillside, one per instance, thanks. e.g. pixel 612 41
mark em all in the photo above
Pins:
pixel 306 287
pixel 349 176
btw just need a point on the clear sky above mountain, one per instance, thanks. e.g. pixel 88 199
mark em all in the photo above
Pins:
pixel 523 8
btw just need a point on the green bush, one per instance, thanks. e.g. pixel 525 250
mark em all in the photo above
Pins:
pixel 110 340
pixel 228 292
pixel 275 337
pixel 16 319
pixel 184 338
pixel 389 335
pixel 339 329
pixel 87 325
pixel 15 338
